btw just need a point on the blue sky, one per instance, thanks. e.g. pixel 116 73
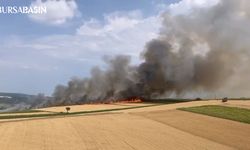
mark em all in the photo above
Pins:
pixel 38 52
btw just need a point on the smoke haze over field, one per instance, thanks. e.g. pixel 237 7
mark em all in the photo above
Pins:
pixel 204 49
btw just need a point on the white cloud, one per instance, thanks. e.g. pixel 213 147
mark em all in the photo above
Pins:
pixel 186 6
pixel 119 33
pixel 58 11
pixel 116 33
pixel 113 23
pixel 56 58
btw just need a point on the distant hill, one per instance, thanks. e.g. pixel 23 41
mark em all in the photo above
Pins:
pixel 19 101
pixel 13 98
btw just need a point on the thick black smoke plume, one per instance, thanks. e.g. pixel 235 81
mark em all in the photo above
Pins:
pixel 201 50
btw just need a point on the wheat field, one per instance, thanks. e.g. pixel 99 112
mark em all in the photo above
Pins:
pixel 92 107
pixel 150 128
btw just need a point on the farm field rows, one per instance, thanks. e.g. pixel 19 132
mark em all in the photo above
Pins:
pixel 147 128
pixel 233 103
pixel 92 107
pixel 113 131
pixel 231 133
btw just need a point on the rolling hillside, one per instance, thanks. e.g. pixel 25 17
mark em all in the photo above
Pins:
pixel 19 101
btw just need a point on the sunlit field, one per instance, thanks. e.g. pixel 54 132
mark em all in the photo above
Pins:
pixel 152 127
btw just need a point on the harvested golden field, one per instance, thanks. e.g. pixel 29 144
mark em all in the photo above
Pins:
pixel 231 133
pixel 91 107
pixel 152 128
pixel 32 113
pixel 234 103
pixel 113 131
pixel 175 106
pixel 237 103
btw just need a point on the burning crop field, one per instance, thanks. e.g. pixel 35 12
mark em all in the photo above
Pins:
pixel 201 52
pixel 205 50
pixel 156 75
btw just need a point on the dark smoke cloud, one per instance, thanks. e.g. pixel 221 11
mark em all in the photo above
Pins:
pixel 201 50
